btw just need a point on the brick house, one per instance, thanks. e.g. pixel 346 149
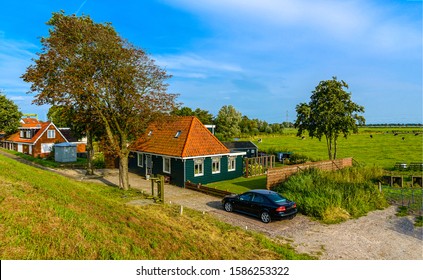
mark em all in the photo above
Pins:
pixel 36 138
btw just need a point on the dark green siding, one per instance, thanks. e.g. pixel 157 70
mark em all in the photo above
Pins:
pixel 208 176
pixel 177 176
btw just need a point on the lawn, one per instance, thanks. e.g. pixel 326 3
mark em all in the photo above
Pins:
pixel 384 148
pixel 241 184
pixel 47 216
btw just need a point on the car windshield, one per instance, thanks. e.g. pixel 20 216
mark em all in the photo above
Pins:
pixel 275 197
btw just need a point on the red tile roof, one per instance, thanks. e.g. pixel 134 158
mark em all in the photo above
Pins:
pixel 180 137
pixel 16 137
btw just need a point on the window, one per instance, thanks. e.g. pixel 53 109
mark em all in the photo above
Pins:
pixel 51 133
pixel 22 134
pixel 28 134
pixel 166 165
pixel 231 163
pixel 178 133
pixel 46 148
pixel 140 159
pixel 216 165
pixel 199 167
pixel 246 197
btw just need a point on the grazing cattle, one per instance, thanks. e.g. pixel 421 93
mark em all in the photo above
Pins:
pixel 259 140
pixel 416 134
pixel 395 134
pixel 303 137
pixel 371 136
pixel 403 138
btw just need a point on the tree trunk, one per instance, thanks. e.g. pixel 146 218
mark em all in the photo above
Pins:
pixel 123 170
pixel 90 153
pixel 335 144
pixel 329 146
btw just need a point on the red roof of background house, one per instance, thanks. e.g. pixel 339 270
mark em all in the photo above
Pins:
pixel 16 137
pixel 28 121
pixel 180 137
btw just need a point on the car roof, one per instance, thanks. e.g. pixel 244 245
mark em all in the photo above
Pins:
pixel 262 191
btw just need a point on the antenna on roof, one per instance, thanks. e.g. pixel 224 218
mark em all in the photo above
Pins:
pixel 30 115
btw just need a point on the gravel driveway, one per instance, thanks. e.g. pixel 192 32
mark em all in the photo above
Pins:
pixel 378 236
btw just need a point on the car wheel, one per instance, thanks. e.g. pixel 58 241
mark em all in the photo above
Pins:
pixel 265 217
pixel 228 207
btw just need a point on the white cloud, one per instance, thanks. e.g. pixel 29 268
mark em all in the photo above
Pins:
pixel 194 66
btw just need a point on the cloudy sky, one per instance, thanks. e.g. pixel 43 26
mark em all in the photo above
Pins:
pixel 261 56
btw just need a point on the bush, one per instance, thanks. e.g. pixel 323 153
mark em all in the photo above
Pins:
pixel 99 161
pixel 334 196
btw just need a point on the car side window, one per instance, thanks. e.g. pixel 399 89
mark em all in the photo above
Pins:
pixel 245 197
pixel 258 198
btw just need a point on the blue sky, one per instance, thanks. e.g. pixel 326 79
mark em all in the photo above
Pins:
pixel 263 57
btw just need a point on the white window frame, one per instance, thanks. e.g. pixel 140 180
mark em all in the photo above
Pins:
pixel 51 134
pixel 167 163
pixel 46 147
pixel 200 163
pixel 215 165
pixel 231 163
pixel 22 134
pixel 140 160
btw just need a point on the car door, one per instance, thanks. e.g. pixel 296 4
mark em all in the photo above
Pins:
pixel 257 204
pixel 243 202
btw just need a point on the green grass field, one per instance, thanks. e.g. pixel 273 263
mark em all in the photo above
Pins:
pixel 384 149
pixel 47 216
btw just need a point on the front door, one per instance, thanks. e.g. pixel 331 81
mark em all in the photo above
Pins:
pixel 20 148
pixel 149 163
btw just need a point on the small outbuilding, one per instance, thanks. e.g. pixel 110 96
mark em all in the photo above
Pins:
pixel 65 152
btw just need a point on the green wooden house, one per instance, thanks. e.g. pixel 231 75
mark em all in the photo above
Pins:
pixel 183 149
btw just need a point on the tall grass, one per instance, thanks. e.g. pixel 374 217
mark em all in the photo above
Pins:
pixel 334 197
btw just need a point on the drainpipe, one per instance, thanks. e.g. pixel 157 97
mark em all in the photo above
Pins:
pixel 185 172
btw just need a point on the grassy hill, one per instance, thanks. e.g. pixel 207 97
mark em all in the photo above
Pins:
pixel 47 216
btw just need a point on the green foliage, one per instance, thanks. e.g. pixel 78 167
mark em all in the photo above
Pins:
pixel 329 113
pixel 204 116
pixel 9 115
pixel 418 222
pixel 227 123
pixel 334 196
pixel 99 160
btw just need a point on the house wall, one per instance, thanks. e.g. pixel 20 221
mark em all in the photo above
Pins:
pixel 44 140
pixel 208 176
pixel 178 165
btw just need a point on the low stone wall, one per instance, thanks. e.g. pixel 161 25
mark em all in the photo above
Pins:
pixel 277 175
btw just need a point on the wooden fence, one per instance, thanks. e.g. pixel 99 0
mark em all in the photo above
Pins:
pixel 258 165
pixel 278 175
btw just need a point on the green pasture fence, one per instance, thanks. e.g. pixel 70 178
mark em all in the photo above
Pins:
pixel 409 197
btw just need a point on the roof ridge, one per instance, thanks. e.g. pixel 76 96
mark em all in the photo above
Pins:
pixel 188 136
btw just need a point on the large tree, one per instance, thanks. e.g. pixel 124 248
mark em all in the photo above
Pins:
pixel 329 113
pixel 109 82
pixel 9 115
pixel 227 123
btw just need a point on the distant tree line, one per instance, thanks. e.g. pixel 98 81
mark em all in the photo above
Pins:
pixel 230 123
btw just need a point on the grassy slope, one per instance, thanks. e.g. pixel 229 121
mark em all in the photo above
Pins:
pixel 383 150
pixel 47 216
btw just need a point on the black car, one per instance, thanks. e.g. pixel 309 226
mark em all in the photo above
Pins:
pixel 265 204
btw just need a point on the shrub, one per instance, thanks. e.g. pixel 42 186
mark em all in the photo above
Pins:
pixel 334 196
